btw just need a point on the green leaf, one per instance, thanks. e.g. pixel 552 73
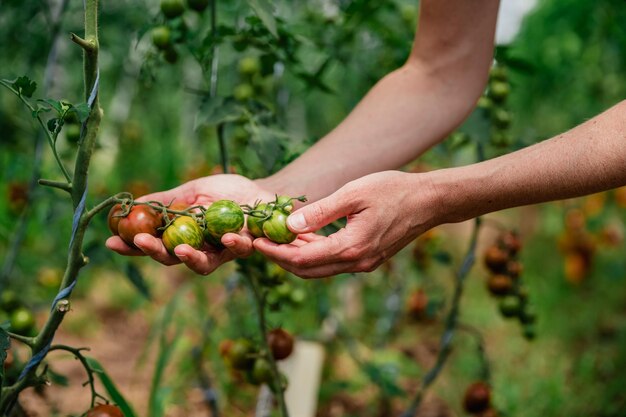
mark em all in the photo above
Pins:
pixel 218 110
pixel 265 10
pixel 25 86
pixel 53 124
pixel 5 344
pixel 136 278
pixel 267 144
pixel 82 110
pixel 57 378
pixel 112 390
pixel 56 105
pixel 383 379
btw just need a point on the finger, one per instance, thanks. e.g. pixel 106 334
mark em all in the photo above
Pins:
pixel 202 262
pixel 317 215
pixel 316 253
pixel 116 244
pixel 154 248
pixel 322 271
pixel 239 245
pixel 182 194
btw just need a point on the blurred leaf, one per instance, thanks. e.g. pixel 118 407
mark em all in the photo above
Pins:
pixel 82 110
pixel 56 105
pixel 111 389
pixel 382 379
pixel 53 124
pixel 265 10
pixel 267 143
pixel 218 110
pixel 136 278
pixel 25 86
pixel 442 257
pixel 57 378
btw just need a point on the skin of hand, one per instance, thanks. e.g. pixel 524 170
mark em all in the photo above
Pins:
pixel 202 191
pixel 385 211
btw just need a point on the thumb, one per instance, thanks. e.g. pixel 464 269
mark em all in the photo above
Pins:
pixel 317 215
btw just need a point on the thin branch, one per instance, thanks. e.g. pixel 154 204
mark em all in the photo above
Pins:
pixel 86 45
pixel 56 184
pixel 29 341
pixel 91 381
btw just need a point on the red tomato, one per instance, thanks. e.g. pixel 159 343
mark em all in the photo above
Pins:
pixel 141 219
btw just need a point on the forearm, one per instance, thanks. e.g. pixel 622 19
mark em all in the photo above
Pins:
pixel 587 159
pixel 410 109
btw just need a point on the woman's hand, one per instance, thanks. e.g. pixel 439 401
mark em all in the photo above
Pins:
pixel 385 212
pixel 202 191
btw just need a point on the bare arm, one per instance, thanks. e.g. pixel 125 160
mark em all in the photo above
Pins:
pixel 584 160
pixel 388 210
pixel 410 109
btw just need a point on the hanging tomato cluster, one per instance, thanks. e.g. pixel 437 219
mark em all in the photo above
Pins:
pixel 477 400
pixel 505 281
pixel 494 102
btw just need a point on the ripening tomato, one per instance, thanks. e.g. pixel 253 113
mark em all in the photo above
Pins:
pixel 477 397
pixel 496 259
pixel 255 224
pixel 114 217
pixel 176 207
pixel 417 304
pixel 276 230
pixel 499 284
pixel 241 354
pixel 183 230
pixel 281 343
pixel 223 216
pixel 105 410
pixel 141 219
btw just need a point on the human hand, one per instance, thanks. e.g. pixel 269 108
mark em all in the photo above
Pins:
pixel 202 191
pixel 385 212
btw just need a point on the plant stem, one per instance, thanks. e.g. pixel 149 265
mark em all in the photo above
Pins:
pixel 260 305
pixel 445 345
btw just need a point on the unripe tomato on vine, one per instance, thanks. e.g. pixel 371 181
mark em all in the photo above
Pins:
pixel 105 410
pixel 275 228
pixel 172 8
pixel 221 217
pixel 161 37
pixel 249 66
pixel 183 230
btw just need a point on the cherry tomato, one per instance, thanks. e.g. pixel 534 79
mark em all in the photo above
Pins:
pixel 243 92
pixel 161 37
pixel 223 216
pixel 514 269
pixel 477 397
pixel 529 331
pixel 176 207
pixel 510 306
pixel 499 284
pixel 511 241
pixel 255 224
pixel 276 230
pixel 528 315
pixel 241 354
pixel 183 230
pixel 281 343
pixel 261 371
pixel 496 259
pixel 9 300
pixel 113 219
pixel 22 321
pixel 249 66
pixel 417 304
pixel 285 203
pixel 105 410
pixel 72 132
pixel 499 91
pixel 141 219
pixel 172 8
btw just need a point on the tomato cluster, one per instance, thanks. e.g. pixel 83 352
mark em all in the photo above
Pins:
pixel 494 102
pixel 270 219
pixel 505 281
pixel 20 317
pixel 105 410
pixel 578 246
pixel 421 306
pixel 242 355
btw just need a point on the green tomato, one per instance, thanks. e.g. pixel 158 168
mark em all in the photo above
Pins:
pixel 22 321
pixel 241 354
pixel 223 216
pixel 499 91
pixel 501 118
pixel 9 300
pixel 183 230
pixel 285 203
pixel 72 132
pixel 243 92
pixel 510 306
pixel 172 8
pixel 255 224
pixel 249 66
pixel 261 372
pixel 276 230
pixel 161 37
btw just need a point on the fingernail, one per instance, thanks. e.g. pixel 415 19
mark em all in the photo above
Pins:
pixel 182 257
pixel 229 243
pixel 297 221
